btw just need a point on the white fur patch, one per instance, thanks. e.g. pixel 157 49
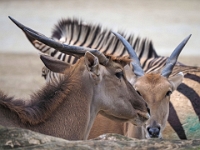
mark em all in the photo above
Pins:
pixel 181 73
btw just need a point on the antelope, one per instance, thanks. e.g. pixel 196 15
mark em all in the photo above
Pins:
pixel 155 88
pixel 150 61
pixel 67 109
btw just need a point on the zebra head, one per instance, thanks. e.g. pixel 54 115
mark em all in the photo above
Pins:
pixel 155 88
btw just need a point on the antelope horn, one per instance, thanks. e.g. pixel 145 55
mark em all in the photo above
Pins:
pixel 171 61
pixel 73 50
pixel 137 69
pixel 22 27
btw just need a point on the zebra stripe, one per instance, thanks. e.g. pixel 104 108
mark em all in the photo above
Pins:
pixel 76 32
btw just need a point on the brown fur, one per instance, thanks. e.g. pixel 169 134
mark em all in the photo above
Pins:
pixel 153 78
pixel 119 59
pixel 152 87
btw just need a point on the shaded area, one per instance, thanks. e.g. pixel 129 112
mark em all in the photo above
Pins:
pixel 192 96
pixel 192 77
pixel 175 122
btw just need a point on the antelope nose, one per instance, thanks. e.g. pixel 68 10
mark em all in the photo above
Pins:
pixel 153 132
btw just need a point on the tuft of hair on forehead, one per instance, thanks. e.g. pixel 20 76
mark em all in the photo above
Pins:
pixel 153 77
pixel 119 59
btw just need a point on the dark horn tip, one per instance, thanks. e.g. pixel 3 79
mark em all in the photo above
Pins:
pixel 189 35
pixel 13 20
pixel 21 26
pixel 187 38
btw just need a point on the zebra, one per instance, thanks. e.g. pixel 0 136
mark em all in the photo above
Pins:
pixel 77 32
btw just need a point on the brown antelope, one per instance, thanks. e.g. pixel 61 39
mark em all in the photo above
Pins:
pixel 67 109
pixel 155 88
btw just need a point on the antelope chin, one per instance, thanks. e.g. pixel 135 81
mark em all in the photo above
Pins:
pixel 150 137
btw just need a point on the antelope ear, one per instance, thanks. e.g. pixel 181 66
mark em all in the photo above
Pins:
pixel 54 64
pixel 92 63
pixel 130 75
pixel 176 80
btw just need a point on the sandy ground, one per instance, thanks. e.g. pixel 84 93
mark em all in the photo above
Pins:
pixel 20 74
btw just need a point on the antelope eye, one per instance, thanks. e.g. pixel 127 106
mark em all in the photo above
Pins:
pixel 168 93
pixel 119 74
pixel 139 93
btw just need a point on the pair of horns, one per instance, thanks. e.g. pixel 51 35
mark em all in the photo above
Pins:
pixel 78 51
pixel 171 61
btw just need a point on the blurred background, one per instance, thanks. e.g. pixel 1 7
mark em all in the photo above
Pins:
pixel 166 23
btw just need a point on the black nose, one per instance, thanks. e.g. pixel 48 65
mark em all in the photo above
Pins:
pixel 153 132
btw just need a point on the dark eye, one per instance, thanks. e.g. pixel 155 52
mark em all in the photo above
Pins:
pixel 119 74
pixel 168 93
pixel 139 93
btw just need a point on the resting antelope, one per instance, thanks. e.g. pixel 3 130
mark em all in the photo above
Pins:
pixel 67 109
pixel 72 32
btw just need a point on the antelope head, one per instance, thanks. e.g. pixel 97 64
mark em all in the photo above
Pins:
pixel 155 88
pixel 113 95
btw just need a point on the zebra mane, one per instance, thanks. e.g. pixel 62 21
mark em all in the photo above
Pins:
pixel 76 32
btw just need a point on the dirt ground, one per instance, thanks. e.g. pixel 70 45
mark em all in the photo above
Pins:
pixel 20 74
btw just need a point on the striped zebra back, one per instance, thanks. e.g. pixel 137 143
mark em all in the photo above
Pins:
pixel 76 32
pixel 157 64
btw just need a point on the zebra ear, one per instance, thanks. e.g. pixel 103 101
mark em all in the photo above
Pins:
pixel 176 80
pixel 92 63
pixel 54 64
